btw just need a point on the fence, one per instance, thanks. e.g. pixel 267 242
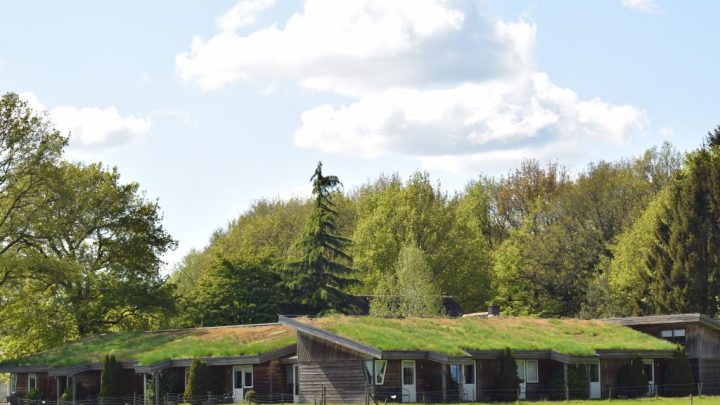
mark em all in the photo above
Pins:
pixel 534 393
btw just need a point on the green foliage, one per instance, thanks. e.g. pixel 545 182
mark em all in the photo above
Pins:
pixel 322 274
pixel 34 393
pixel 199 382
pixel 678 381
pixel 577 383
pixel 631 379
pixel 112 378
pixel 231 293
pixel 507 380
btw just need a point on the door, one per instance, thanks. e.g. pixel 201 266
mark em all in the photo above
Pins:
pixel 408 381
pixel 296 383
pixel 521 375
pixel 469 390
pixel 594 374
pixel 242 381
pixel 650 374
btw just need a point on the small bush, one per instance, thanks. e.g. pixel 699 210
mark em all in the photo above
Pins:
pixel 66 396
pixel 250 396
pixel 577 383
pixel 33 393
pixel 678 380
pixel 507 379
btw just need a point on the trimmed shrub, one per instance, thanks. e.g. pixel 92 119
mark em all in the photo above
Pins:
pixel 507 379
pixel 198 382
pixel 34 393
pixel 112 379
pixel 678 381
pixel 631 379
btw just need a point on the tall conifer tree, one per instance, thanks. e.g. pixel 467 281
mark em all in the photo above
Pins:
pixel 319 278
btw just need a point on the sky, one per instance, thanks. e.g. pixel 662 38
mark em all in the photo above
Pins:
pixel 213 105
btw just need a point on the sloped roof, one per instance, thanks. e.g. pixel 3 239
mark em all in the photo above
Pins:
pixel 144 348
pixel 666 319
pixel 462 336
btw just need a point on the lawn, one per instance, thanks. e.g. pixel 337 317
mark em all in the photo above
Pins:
pixel 641 401
pixel 453 336
pixel 151 347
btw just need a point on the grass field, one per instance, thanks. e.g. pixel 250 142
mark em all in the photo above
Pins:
pixel 151 347
pixel 452 336
pixel 641 401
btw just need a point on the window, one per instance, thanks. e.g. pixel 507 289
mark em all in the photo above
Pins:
pixel 32 381
pixel 243 377
pixel 408 373
pixel 528 371
pixel 673 335
pixel 531 371
pixel 469 373
pixel 248 379
pixel 594 373
pixel 13 383
pixel 376 368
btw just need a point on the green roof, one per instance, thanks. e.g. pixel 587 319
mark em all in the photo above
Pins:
pixel 455 336
pixel 151 347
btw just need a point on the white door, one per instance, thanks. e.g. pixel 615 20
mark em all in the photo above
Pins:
pixel 650 373
pixel 469 375
pixel 521 376
pixel 408 381
pixel 594 374
pixel 242 381
pixel 296 383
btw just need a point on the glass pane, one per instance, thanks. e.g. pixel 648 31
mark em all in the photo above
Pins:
pixel 13 383
pixel 369 371
pixel 32 381
pixel 594 373
pixel 469 374
pixel 248 378
pixel 296 379
pixel 649 371
pixel 408 374
pixel 521 370
pixel 238 379
pixel 531 370
pixel 380 366
pixel 455 373
pixel 665 333
pixel 679 332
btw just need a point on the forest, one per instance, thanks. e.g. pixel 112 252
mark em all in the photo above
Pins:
pixel 81 251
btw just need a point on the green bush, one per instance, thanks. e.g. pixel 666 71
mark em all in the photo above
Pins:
pixel 678 381
pixel 199 381
pixel 507 379
pixel 33 393
pixel 66 396
pixel 112 378
pixel 631 379
pixel 250 396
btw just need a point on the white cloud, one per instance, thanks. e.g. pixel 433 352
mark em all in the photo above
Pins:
pixel 467 119
pixel 643 6
pixel 440 81
pixel 93 127
pixel 243 14
pixel 352 47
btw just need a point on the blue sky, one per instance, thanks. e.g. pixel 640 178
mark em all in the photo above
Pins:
pixel 212 105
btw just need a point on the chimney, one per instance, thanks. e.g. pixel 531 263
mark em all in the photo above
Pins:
pixel 493 310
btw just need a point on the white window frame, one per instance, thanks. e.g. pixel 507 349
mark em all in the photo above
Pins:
pixel 13 383
pixel 32 377
pixel 371 369
pixel 245 372
pixel 525 378
pixel 245 369
pixel 187 375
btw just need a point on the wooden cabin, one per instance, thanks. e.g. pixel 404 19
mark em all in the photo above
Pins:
pixel 240 358
pixel 354 359
pixel 698 333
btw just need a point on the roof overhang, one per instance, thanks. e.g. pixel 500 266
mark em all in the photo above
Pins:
pixel 331 337
pixel 666 320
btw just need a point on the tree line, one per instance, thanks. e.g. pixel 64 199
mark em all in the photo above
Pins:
pixel 80 251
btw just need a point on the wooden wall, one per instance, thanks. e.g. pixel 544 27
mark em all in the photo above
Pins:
pixel 45 383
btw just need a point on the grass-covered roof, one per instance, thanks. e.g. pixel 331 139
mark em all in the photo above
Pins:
pixel 150 347
pixel 455 336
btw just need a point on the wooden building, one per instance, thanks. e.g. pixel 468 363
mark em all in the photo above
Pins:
pixel 337 362
pixel 698 333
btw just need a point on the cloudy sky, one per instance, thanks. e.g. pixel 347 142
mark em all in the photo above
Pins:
pixel 211 105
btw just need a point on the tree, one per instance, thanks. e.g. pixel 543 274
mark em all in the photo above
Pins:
pixel 198 383
pixel 631 379
pixel 507 380
pixel 103 243
pixel 112 378
pixel 28 145
pixel 322 274
pixel 411 291
pixel 678 381
pixel 234 292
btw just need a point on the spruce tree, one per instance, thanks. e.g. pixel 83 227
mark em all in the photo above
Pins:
pixel 631 379
pixel 111 378
pixel 320 277
pixel 198 383
pixel 678 381
pixel 507 379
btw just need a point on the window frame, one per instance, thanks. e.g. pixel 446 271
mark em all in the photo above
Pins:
pixel 537 372
pixel 371 371
pixel 465 374
pixel 32 376
pixel 13 383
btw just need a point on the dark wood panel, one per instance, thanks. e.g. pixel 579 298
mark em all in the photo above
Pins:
pixel 312 349
pixel 344 381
